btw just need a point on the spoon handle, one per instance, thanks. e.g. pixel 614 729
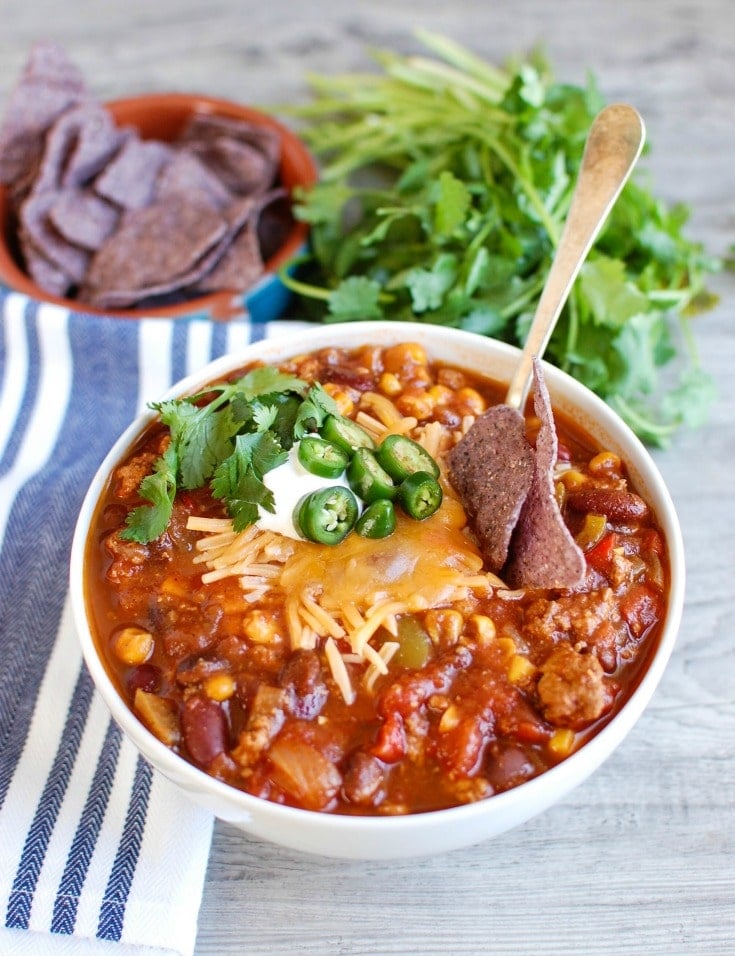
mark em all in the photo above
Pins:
pixel 613 145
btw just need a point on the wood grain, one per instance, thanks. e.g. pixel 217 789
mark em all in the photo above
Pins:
pixel 639 860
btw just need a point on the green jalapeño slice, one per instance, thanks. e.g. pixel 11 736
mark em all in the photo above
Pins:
pixel 327 516
pixel 420 495
pixel 322 457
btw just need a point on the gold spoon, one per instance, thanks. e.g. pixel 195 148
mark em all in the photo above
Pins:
pixel 614 143
pixel 492 466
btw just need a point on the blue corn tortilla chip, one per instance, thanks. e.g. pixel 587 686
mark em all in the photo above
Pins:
pixel 37 231
pixel 49 84
pixel 543 552
pixel 129 180
pixel 152 251
pixel 491 469
pixel 78 144
pixel 44 272
pixel 185 174
pixel 83 218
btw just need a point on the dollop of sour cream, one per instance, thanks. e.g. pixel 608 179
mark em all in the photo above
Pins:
pixel 290 482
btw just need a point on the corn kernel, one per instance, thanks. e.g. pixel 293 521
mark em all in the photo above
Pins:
pixel 449 719
pixel 439 394
pixel 133 645
pixel 471 401
pixel 507 645
pixel 344 401
pixel 404 355
pixel 174 587
pixel 444 625
pixel 605 463
pixel 389 384
pixel 219 686
pixel 572 479
pixel 260 629
pixel 415 406
pixel 484 628
pixel 561 742
pixel 520 669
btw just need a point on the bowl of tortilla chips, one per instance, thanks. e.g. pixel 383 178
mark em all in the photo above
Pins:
pixel 160 204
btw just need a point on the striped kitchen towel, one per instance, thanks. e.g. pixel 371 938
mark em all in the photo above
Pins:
pixel 99 853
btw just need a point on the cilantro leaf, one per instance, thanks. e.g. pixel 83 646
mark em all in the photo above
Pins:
pixel 238 480
pixel 452 203
pixel 314 409
pixel 355 298
pixel 429 286
pixel 148 522
pixel 265 380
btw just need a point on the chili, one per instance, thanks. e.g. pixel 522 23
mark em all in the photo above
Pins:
pixel 380 675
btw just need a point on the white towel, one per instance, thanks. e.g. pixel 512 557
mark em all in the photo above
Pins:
pixel 100 854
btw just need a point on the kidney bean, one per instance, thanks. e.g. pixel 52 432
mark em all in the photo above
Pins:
pixel 615 503
pixel 359 379
pixel 306 691
pixel 204 726
pixel 144 677
pixel 362 780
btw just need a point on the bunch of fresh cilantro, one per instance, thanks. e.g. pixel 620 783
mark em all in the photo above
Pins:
pixel 228 438
pixel 444 186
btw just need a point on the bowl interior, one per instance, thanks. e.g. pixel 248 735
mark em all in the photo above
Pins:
pixel 162 116
pixel 441 830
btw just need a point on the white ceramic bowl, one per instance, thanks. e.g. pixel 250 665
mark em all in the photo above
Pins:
pixel 359 837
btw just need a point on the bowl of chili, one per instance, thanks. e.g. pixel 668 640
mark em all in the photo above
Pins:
pixel 375 691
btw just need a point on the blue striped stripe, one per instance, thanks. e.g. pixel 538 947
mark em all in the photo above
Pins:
pixel 258 331
pixel 18 913
pixel 24 412
pixel 32 592
pixel 178 350
pixel 112 911
pixel 219 339
pixel 85 838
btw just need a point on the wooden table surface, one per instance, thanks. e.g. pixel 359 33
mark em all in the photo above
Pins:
pixel 641 858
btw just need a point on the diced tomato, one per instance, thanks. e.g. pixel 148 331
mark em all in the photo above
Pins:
pixel 459 749
pixel 390 744
pixel 641 608
pixel 600 555
pixel 652 540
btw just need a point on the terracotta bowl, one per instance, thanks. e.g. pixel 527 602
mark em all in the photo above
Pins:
pixel 162 116
pixel 376 837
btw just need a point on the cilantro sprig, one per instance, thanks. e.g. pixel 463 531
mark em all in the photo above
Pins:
pixel 228 437
pixel 445 183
